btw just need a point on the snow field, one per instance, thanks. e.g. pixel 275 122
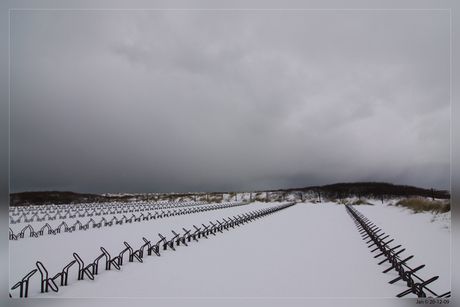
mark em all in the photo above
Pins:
pixel 307 250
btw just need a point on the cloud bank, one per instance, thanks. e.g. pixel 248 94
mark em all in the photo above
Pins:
pixel 222 100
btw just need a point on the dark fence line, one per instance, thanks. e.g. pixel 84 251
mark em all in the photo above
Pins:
pixel 378 238
pixel 47 229
pixel 92 268
pixel 118 204
pixel 53 212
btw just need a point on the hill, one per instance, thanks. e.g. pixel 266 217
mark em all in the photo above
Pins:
pixel 372 190
pixel 369 190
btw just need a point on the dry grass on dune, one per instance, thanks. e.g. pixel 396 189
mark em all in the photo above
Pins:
pixel 422 205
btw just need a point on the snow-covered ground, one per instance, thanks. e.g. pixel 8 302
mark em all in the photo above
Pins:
pixel 307 250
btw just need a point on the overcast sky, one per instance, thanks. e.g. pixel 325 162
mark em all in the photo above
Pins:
pixel 228 100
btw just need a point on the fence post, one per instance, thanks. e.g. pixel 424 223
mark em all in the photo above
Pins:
pixel 82 269
pixel 46 281
pixel 24 284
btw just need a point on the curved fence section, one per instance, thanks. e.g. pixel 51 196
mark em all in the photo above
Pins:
pixel 28 230
pixel 39 213
pixel 91 268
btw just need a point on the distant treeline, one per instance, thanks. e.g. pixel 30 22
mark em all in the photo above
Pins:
pixel 376 190
pixel 53 197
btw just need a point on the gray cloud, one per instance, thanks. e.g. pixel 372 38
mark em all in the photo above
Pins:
pixel 139 101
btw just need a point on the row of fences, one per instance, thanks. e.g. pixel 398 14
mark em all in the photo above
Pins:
pixel 105 261
pixel 29 231
pixel 392 255
pixel 29 213
pixel 143 205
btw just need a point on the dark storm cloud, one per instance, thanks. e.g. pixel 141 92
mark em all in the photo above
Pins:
pixel 138 101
